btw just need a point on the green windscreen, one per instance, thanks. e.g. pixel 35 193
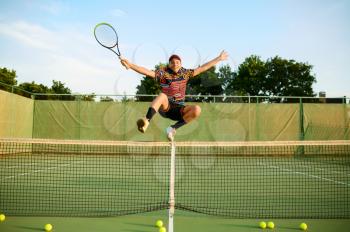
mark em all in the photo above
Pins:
pixel 117 121
pixel 54 119
pixel 16 116
pixel 324 122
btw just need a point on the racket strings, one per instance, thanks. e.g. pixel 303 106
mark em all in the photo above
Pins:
pixel 106 36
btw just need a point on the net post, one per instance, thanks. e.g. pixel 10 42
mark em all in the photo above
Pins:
pixel 172 189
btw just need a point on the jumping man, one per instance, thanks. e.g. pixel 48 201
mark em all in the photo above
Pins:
pixel 171 102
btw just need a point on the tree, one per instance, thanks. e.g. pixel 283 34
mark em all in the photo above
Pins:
pixel 274 77
pixel 89 97
pixel 106 99
pixel 148 86
pixel 250 78
pixel 227 76
pixel 7 77
pixel 59 88
pixel 289 78
pixel 207 83
pixel 35 88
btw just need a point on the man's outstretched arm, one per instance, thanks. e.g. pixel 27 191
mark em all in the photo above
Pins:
pixel 136 68
pixel 223 56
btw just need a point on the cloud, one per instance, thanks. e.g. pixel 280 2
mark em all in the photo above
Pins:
pixel 29 34
pixel 54 7
pixel 68 54
pixel 118 13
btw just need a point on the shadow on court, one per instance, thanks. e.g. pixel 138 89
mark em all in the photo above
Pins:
pixel 141 227
pixel 241 226
pixel 139 224
pixel 289 228
pixel 246 226
pixel 29 228
pixel 136 230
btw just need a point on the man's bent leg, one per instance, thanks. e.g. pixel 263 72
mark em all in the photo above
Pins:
pixel 189 113
pixel 160 101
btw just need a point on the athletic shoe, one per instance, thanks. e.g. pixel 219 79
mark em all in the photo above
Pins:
pixel 170 133
pixel 142 124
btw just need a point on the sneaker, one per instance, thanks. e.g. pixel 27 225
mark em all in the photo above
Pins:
pixel 142 124
pixel 170 133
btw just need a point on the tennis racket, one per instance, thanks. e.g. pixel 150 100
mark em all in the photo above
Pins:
pixel 107 37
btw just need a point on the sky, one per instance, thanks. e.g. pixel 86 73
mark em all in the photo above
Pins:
pixel 53 39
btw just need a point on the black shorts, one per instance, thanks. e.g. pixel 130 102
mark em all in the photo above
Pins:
pixel 174 111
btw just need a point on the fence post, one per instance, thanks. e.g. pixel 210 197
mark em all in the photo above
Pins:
pixel 345 121
pixel 33 117
pixel 257 118
pixel 301 120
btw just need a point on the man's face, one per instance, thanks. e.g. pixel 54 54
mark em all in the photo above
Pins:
pixel 175 64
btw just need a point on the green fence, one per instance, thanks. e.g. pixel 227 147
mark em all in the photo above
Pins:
pixel 16 115
pixel 226 119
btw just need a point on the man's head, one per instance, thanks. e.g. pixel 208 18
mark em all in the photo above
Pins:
pixel 175 63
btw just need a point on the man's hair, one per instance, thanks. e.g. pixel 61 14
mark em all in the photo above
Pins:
pixel 174 57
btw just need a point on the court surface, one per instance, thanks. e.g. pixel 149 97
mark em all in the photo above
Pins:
pixel 91 184
pixel 184 222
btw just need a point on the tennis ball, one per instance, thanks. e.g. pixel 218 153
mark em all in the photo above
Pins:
pixel 262 225
pixel 162 229
pixel 48 227
pixel 2 217
pixel 159 223
pixel 270 225
pixel 303 226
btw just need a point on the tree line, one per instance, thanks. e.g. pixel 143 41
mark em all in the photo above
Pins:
pixel 254 77
pixel 8 79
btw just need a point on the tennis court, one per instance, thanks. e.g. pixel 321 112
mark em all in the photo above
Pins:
pixel 215 183
pixel 183 222
pixel 82 167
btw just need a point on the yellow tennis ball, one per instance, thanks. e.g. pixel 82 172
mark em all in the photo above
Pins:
pixel 262 225
pixel 270 225
pixel 303 226
pixel 162 229
pixel 159 223
pixel 48 227
pixel 2 217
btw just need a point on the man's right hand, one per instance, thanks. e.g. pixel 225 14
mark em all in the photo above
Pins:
pixel 125 63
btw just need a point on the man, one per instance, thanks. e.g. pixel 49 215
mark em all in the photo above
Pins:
pixel 170 103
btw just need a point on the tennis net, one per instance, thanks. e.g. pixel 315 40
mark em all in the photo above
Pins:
pixel 233 179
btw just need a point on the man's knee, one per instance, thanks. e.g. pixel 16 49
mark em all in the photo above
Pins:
pixel 196 111
pixel 162 96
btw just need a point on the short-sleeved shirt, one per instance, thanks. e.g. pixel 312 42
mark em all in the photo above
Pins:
pixel 174 84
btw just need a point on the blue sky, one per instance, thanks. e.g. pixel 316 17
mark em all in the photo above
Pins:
pixel 45 40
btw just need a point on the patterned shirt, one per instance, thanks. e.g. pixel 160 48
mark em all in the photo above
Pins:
pixel 174 84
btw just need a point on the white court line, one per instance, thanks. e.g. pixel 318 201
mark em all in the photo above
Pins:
pixel 41 170
pixel 34 163
pixel 322 169
pixel 313 176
